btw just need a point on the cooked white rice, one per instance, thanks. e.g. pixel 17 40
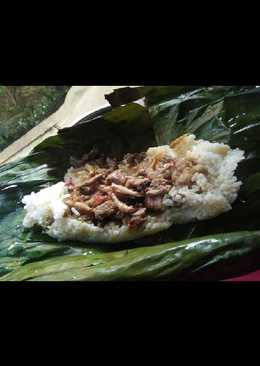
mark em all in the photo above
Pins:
pixel 209 197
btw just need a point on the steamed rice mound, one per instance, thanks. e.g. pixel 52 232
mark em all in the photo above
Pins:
pixel 208 196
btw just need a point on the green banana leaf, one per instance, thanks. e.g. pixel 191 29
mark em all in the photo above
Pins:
pixel 229 114
pixel 172 261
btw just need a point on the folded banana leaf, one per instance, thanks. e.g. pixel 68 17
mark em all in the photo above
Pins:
pixel 230 114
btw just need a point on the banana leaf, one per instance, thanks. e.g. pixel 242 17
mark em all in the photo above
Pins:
pixel 172 261
pixel 229 114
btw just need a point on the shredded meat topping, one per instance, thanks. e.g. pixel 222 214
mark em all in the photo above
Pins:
pixel 97 199
pixel 116 177
pixel 90 181
pixel 122 206
pixel 127 190
pixel 105 210
pixel 138 183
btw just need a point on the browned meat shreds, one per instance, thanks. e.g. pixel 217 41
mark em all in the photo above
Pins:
pixel 97 199
pixel 140 212
pixel 105 210
pixel 156 191
pixel 116 177
pixel 122 206
pixel 138 183
pixel 124 191
pixel 80 206
pixel 90 181
pixel 104 188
